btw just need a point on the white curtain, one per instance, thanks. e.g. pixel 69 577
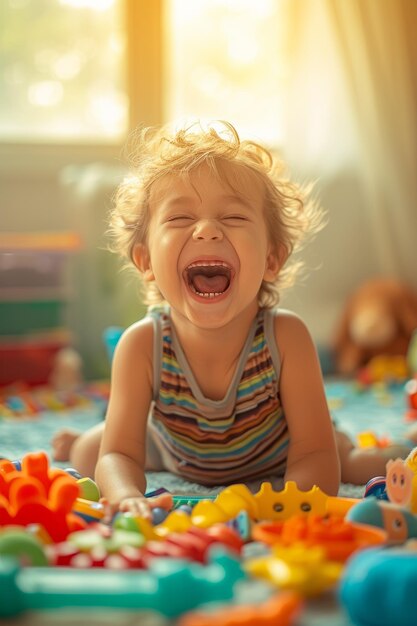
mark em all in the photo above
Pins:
pixel 352 94
pixel 351 124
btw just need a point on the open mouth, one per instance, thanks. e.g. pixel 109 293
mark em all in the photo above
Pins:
pixel 208 279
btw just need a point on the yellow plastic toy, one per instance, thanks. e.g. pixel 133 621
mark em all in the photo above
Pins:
pixel 368 439
pixel 280 505
pixel 305 571
pixel 268 504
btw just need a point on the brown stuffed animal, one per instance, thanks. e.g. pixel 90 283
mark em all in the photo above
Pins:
pixel 378 320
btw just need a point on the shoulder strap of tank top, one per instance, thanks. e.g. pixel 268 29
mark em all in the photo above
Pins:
pixel 269 330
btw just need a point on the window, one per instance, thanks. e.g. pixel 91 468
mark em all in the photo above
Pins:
pixel 86 71
pixel 225 59
pixel 62 75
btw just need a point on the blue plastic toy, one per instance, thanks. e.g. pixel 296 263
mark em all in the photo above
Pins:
pixel 378 588
pixel 376 487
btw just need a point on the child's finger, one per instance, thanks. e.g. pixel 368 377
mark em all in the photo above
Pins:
pixel 137 506
pixel 164 501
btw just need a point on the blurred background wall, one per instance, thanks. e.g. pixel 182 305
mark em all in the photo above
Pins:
pixel 329 84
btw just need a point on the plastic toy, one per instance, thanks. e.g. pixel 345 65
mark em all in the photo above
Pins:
pixel 376 487
pixel 38 494
pixel 378 587
pixel 88 510
pixel 272 505
pixel 242 524
pixel 411 393
pixel 338 538
pixel 191 499
pixel 156 492
pixel 398 523
pixel 129 521
pixel 160 588
pixel 237 507
pixel 23 546
pixel 94 537
pixel 280 609
pixel 307 571
pixel 67 555
pixel 111 337
pixel 21 400
pixel 368 439
pixel 176 521
pixel 267 504
pixel 99 547
pixel 88 489
pixel 195 543
pixel 399 483
pixel 159 515
pixel 73 472
pixel 384 369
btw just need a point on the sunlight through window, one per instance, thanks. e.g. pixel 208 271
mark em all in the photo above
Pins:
pixel 70 70
pixel 225 59
pixel 62 71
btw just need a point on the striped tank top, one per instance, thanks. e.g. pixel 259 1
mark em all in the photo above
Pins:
pixel 214 442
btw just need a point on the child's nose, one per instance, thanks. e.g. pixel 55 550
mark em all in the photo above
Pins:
pixel 207 229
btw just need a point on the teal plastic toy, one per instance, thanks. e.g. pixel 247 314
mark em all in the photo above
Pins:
pixel 191 499
pixel 378 587
pixel 111 338
pixel 398 522
pixel 161 588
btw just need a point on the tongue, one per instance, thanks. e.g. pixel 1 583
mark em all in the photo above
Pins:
pixel 210 284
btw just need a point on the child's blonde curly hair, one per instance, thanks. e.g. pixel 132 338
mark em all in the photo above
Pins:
pixel 159 151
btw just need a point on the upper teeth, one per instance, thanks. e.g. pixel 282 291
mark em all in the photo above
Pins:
pixel 208 264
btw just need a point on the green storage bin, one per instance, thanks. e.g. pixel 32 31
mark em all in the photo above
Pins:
pixel 22 317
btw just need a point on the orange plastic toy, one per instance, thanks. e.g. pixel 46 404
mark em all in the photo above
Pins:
pixel 281 609
pixel 38 494
pixel 338 537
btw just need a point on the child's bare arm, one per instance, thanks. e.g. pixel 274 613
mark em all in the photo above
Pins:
pixel 312 456
pixel 120 471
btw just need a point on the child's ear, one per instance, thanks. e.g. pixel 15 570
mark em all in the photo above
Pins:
pixel 274 261
pixel 142 261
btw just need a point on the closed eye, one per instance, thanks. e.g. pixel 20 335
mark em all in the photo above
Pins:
pixel 180 218
pixel 235 218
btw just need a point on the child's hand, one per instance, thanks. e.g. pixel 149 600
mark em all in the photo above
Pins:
pixel 137 505
pixel 143 506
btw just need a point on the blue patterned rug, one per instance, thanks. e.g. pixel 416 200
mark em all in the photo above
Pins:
pixel 378 409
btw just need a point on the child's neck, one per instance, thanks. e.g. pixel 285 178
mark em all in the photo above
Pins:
pixel 213 354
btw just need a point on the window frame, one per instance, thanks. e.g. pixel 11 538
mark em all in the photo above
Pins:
pixel 144 75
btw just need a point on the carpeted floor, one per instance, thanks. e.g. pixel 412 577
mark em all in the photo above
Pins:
pixel 378 409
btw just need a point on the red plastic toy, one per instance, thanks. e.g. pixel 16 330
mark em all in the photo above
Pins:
pixel 411 391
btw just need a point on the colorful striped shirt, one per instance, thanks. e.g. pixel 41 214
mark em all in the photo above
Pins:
pixel 214 442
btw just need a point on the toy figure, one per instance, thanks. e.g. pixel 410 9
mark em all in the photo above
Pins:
pixel 66 373
pixel 399 482
pixel 398 522
pixel 378 320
